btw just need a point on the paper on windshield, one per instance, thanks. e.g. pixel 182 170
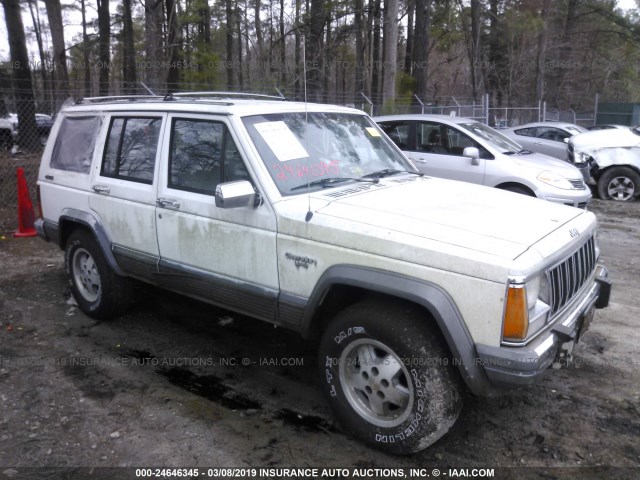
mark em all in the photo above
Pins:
pixel 281 140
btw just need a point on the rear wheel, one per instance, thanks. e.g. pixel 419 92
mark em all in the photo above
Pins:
pixel 98 290
pixel 619 183
pixel 388 377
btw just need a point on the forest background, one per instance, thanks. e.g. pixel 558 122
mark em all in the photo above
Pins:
pixel 381 55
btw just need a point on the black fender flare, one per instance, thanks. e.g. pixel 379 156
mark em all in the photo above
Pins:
pixel 91 223
pixel 426 294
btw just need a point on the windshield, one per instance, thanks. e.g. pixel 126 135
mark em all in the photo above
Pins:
pixel 300 149
pixel 492 137
pixel 575 129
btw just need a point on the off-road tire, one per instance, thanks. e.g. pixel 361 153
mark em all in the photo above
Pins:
pixel 388 377
pixel 98 290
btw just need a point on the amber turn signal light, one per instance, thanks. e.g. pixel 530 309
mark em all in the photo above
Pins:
pixel 516 319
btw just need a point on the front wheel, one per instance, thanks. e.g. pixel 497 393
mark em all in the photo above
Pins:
pixel 619 183
pixel 98 290
pixel 518 189
pixel 388 377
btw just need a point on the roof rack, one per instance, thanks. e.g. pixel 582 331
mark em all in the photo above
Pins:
pixel 176 96
pixel 116 98
pixel 221 94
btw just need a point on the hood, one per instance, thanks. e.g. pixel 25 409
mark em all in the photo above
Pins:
pixel 614 137
pixel 541 162
pixel 410 216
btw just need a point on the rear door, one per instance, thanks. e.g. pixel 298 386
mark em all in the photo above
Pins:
pixel 551 141
pixel 225 256
pixel 122 188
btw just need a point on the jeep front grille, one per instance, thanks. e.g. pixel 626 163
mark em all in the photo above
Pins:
pixel 567 278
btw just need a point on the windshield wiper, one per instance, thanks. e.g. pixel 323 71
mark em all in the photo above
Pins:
pixel 327 182
pixel 386 172
pixel 519 152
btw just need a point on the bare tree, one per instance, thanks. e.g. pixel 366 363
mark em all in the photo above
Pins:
pixel 153 21
pixel 229 37
pixel 23 87
pixel 359 71
pixel 375 55
pixel 317 20
pixel 85 50
pixel 475 48
pixel 390 52
pixel 542 50
pixel 129 76
pixel 173 46
pixel 37 28
pixel 104 39
pixel 420 62
pixel 54 13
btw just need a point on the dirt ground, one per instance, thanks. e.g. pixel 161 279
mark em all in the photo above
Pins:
pixel 174 383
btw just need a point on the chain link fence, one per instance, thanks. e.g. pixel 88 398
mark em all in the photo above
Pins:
pixel 8 177
pixel 23 148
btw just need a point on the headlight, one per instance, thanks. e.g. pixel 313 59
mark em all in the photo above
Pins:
pixel 581 157
pixel 526 309
pixel 554 179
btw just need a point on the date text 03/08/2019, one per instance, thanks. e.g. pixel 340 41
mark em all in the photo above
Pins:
pixel 338 473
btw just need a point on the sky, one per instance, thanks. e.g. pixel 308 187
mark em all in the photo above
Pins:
pixel 72 23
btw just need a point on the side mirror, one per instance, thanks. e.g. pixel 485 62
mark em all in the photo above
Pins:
pixel 473 153
pixel 236 195
pixel 566 140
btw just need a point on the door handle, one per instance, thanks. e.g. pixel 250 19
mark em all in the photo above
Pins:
pixel 421 160
pixel 101 189
pixel 168 203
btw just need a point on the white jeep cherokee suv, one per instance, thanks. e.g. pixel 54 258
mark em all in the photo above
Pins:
pixel 309 217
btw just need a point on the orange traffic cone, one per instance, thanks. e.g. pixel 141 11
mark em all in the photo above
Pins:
pixel 26 216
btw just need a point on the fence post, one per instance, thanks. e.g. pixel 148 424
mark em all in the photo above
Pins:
pixel 369 102
pixel 420 102
pixel 486 108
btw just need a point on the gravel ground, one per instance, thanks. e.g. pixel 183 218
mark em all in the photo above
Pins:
pixel 175 383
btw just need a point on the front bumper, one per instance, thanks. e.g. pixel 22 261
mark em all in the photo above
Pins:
pixel 513 366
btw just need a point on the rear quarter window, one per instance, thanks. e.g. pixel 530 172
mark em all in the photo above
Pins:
pixel 130 151
pixel 75 142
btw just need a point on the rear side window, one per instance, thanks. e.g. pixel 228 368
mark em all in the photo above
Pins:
pixel 130 153
pixel 75 142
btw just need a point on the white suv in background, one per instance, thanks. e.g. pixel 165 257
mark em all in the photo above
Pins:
pixel 463 149
pixel 611 159
pixel 308 217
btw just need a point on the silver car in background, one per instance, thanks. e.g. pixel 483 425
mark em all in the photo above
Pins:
pixel 549 138
pixel 464 149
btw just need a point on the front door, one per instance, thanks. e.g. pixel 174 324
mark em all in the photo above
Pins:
pixel 224 256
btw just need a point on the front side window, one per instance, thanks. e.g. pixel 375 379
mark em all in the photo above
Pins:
pixel 306 151
pixel 399 133
pixel 130 153
pixel 526 132
pixel 202 155
pixel 75 142
pixel 431 139
pixel 552 134
pixel 491 137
